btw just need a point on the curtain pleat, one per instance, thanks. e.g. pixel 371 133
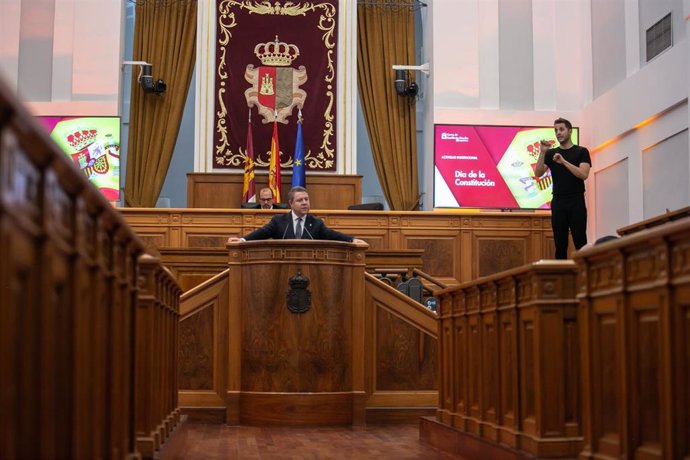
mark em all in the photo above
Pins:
pixel 386 37
pixel 165 36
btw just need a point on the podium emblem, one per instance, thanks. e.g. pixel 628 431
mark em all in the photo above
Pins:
pixel 299 296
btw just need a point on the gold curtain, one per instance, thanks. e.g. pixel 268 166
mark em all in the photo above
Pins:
pixel 386 37
pixel 165 36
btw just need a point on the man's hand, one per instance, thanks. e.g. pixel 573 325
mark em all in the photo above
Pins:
pixel 358 241
pixel 558 158
pixel 544 145
pixel 234 239
pixel 540 168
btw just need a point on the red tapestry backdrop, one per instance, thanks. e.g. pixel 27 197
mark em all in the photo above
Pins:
pixel 275 57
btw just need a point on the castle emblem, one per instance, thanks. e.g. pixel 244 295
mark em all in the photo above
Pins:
pixel 275 89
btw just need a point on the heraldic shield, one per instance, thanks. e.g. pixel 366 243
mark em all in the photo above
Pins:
pixel 275 85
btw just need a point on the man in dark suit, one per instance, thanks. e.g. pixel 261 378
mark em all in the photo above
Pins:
pixel 266 198
pixel 297 224
pixel 266 201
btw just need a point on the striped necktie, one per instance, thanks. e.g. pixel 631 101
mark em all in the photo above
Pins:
pixel 298 228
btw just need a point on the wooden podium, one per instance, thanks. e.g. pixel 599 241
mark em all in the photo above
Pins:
pixel 291 367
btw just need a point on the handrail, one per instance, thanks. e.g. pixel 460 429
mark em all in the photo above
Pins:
pixel 402 306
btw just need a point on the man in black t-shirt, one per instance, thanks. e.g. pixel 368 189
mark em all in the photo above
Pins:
pixel 569 165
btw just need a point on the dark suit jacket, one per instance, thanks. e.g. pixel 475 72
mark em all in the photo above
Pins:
pixel 280 228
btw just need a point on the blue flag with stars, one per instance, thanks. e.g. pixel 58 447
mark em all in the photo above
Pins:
pixel 298 159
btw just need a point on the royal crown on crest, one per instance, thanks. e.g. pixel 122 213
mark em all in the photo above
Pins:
pixel 276 53
pixel 82 138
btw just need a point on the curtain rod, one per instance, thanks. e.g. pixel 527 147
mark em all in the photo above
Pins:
pixel 414 5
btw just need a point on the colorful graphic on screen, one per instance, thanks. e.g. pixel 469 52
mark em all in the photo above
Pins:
pixel 491 167
pixel 93 144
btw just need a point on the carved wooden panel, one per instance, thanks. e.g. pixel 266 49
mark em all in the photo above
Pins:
pixel 207 241
pixel 224 190
pixel 196 350
pixel 288 352
pixel 681 315
pixel 496 255
pixel 450 242
pixel 605 374
pixel 405 356
pixel 439 254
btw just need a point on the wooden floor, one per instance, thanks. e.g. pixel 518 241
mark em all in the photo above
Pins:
pixel 379 442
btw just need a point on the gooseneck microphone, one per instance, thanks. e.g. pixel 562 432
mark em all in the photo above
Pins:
pixel 286 228
pixel 307 230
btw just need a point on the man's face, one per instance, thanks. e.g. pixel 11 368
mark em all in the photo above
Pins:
pixel 562 132
pixel 266 199
pixel 300 204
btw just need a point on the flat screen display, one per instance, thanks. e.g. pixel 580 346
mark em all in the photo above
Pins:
pixel 93 144
pixel 491 166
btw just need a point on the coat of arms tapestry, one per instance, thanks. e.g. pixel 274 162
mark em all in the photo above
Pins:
pixel 274 60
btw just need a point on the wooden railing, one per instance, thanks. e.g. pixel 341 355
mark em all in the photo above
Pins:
pixel 68 270
pixel 68 300
pixel 655 221
pixel 157 329
pixel 508 352
pixel 634 296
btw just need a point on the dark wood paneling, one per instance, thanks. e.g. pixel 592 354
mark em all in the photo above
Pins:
pixel 439 254
pixel 196 350
pixel 510 336
pixel 296 409
pixel 405 356
pixel 634 392
pixel 452 252
pixel 224 190
pixel 496 255
pixel 288 352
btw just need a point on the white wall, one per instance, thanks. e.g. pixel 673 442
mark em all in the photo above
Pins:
pixel 585 61
pixel 63 56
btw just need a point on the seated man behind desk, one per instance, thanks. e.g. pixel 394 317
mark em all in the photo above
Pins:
pixel 297 224
pixel 266 201
pixel 266 198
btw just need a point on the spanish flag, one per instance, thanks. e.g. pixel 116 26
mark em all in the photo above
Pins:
pixel 274 165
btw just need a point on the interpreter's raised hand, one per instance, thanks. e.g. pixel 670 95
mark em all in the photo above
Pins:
pixel 544 145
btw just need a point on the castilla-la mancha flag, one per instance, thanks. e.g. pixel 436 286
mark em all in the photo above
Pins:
pixel 274 165
pixel 248 188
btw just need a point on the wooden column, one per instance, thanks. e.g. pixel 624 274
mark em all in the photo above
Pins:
pixel 157 337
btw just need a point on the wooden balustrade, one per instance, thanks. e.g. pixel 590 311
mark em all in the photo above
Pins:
pixel 655 221
pixel 157 329
pixel 68 270
pixel 634 296
pixel 509 365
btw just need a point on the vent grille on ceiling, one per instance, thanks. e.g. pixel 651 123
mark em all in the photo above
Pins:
pixel 659 37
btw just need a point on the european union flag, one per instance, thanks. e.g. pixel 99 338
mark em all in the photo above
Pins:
pixel 298 159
